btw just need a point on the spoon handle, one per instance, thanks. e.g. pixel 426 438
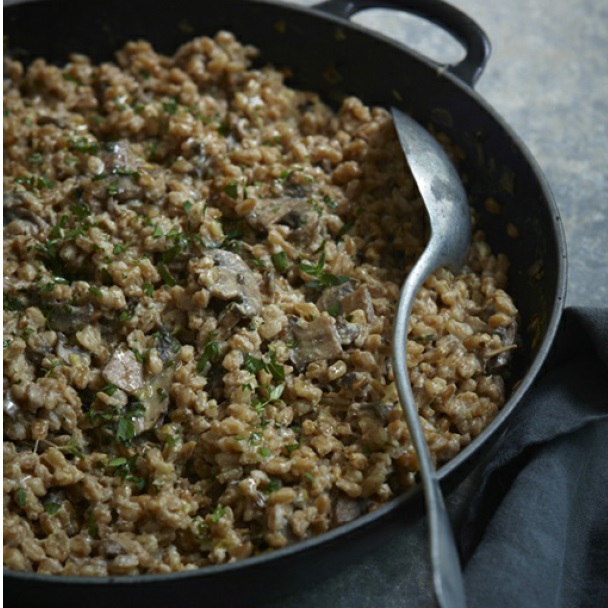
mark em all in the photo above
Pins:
pixel 447 575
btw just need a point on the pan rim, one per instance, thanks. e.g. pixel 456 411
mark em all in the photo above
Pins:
pixel 449 468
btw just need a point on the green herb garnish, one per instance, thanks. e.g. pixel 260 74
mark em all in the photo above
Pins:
pixel 232 190
pixel 170 107
pixel 165 275
pixel 52 508
pixel 20 498
pixel 83 145
pixel 210 355
pixel 322 278
pixel 219 512
pixel 92 527
pixel 125 425
pixel 280 261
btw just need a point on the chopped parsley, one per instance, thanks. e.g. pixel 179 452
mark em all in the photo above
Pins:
pixel 170 107
pixel 35 181
pixel 35 159
pixel 322 278
pixel 92 527
pixel 70 78
pixel 72 448
pixel 210 355
pixel 232 190
pixel 334 309
pixel 20 498
pixel 253 364
pixel 123 467
pixel 219 512
pixel 52 507
pixel 273 486
pixel 166 275
pixel 13 304
pixel 83 145
pixel 109 389
pixel 125 315
pixel 125 424
pixel 331 204
pixel 280 261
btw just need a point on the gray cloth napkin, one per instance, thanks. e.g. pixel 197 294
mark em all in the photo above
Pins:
pixel 537 530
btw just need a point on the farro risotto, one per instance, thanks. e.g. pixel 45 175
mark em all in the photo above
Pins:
pixel 201 270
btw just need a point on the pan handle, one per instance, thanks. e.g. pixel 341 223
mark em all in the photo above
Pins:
pixel 446 16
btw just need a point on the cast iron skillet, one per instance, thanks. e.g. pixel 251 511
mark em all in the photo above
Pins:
pixel 334 57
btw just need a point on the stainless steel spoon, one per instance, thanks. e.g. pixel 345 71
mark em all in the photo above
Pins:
pixel 448 211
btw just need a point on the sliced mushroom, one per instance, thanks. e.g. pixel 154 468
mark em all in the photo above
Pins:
pixel 167 345
pixel 315 340
pixel 359 299
pixel 120 172
pixel 345 298
pixel 500 358
pixel 72 354
pixel 348 332
pixel 124 370
pixel 118 155
pixel 10 406
pixel 154 396
pixel 354 381
pixel 68 319
pixel 110 548
pixel 296 213
pixel 332 297
pixel 234 280
pixel 380 411
pixel 347 509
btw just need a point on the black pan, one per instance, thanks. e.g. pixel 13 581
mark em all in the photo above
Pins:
pixel 334 57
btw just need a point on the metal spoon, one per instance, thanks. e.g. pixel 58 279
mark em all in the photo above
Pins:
pixel 449 216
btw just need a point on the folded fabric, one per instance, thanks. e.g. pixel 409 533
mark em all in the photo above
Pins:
pixel 537 530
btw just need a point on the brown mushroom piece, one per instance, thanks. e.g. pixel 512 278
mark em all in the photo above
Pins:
pixel 332 297
pixel 296 213
pixel 72 354
pixel 346 510
pixel 120 177
pixel 233 280
pixel 315 340
pixel 67 318
pixel 154 396
pixel 500 358
pixel 359 299
pixel 124 370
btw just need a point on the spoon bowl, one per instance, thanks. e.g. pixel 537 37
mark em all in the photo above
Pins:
pixel 450 221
